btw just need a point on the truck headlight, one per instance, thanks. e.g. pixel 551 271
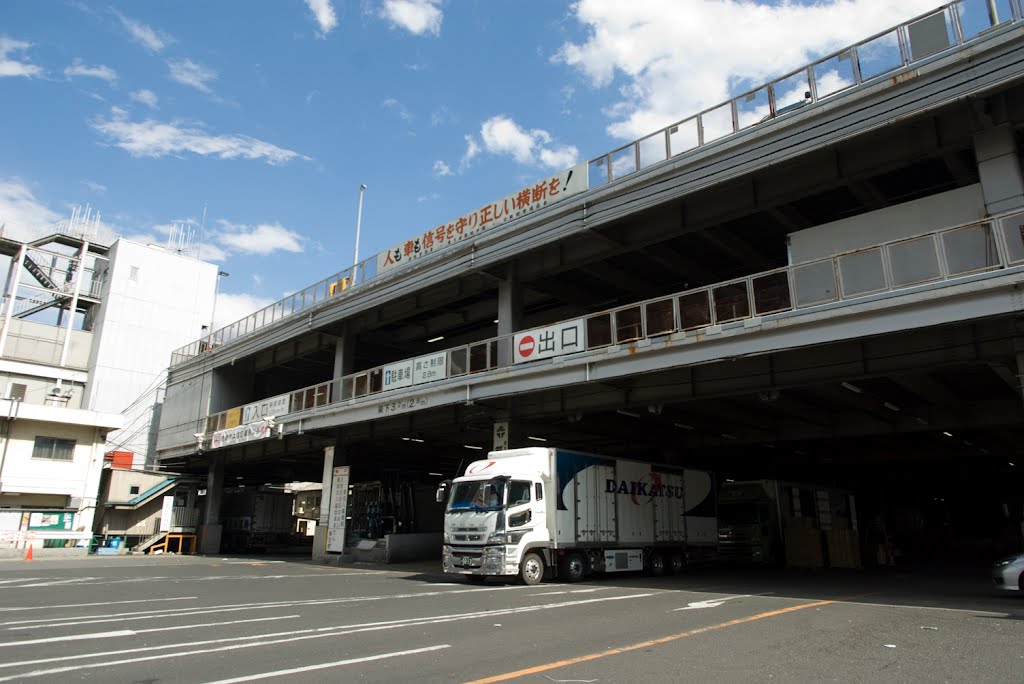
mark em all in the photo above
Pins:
pixel 445 538
pixel 506 537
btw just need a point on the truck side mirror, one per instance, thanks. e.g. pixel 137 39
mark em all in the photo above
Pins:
pixel 442 491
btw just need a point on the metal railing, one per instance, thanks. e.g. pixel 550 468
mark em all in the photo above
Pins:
pixel 941 255
pixel 912 41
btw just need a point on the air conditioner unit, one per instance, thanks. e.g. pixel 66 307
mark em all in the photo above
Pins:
pixel 55 391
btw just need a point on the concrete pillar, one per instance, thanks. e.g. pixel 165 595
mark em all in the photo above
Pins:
pixel 334 456
pixel 344 353
pixel 510 311
pixel 210 533
pixel 999 169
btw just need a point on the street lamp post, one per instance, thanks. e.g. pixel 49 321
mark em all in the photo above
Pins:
pixel 359 220
pixel 213 312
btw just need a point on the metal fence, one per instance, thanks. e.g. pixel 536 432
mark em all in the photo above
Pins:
pixel 947 27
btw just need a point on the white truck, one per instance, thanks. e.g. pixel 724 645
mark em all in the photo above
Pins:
pixel 539 511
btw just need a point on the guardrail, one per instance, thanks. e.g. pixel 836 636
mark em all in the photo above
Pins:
pixel 947 27
pixel 942 255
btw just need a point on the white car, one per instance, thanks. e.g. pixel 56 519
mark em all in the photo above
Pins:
pixel 1008 574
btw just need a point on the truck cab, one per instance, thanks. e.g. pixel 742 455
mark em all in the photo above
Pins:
pixel 492 521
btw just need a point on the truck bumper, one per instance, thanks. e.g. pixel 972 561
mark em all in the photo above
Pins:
pixel 490 561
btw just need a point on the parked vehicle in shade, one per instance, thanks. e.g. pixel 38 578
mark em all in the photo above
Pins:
pixel 539 512
pixel 1008 573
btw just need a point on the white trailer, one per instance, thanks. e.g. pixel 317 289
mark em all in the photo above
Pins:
pixel 540 511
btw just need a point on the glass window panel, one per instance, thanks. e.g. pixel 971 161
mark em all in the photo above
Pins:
pixel 814 283
pixel 321 394
pixel 970 249
pixel 1013 232
pixel 492 355
pixel 975 15
pixel 835 74
pixel 660 317
pixel 731 302
pixel 791 92
pixel 361 385
pixel 623 162
pixel 628 324
pixel 478 357
pixel 694 310
pixel 862 272
pixel 598 171
pixel 929 35
pixel 683 137
pixel 771 292
pixel 599 331
pixel 309 398
pixel 347 385
pixel 653 149
pixel 753 108
pixel 457 364
pixel 376 380
pixel 717 122
pixel 879 55
pixel 914 261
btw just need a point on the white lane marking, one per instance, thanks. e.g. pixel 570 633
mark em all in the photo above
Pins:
pixel 40 623
pixel 324 666
pixel 572 591
pixel 215 624
pixel 167 579
pixel 710 603
pixel 236 643
pixel 99 603
pixel 77 637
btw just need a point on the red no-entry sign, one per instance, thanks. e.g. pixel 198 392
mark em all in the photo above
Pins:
pixel 526 346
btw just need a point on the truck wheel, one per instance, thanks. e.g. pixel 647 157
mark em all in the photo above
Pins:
pixel 573 567
pixel 657 564
pixel 676 562
pixel 531 570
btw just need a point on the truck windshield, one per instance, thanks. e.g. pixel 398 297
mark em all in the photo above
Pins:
pixel 481 495
pixel 737 513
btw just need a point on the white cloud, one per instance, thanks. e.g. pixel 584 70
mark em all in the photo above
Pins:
pixel 670 59
pixel 146 97
pixel 472 150
pixel 235 307
pixel 22 215
pixel 12 67
pixel 189 73
pixel 151 138
pixel 98 188
pixel 323 12
pixel 432 197
pixel 154 41
pixel 441 169
pixel 403 113
pixel 101 71
pixel 263 239
pixel 502 136
pixel 415 16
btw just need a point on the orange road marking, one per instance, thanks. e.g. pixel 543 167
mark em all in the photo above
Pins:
pixel 645 644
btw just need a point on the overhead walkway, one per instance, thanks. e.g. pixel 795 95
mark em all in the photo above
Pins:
pixel 952 274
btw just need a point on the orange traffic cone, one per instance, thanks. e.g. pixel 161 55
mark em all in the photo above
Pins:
pixel 28 554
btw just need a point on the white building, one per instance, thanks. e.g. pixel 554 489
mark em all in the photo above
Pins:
pixel 86 333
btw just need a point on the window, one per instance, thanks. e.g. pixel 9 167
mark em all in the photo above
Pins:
pixel 134 489
pixel 133 274
pixel 518 493
pixel 17 391
pixel 54 449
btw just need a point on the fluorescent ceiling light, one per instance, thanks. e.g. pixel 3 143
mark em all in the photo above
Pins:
pixel 537 439
pixel 412 439
pixel 436 474
pixel 852 388
pixel 628 413
pixel 684 426
pixel 436 339
pixel 470 446
pixel 891 407
pixel 948 434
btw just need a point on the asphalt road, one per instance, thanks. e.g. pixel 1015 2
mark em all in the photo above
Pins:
pixel 193 619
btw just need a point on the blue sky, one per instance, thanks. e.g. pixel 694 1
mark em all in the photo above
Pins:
pixel 271 114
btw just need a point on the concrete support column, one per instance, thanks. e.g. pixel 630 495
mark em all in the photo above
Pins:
pixel 510 310
pixel 210 533
pixel 334 456
pixel 344 353
pixel 999 169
